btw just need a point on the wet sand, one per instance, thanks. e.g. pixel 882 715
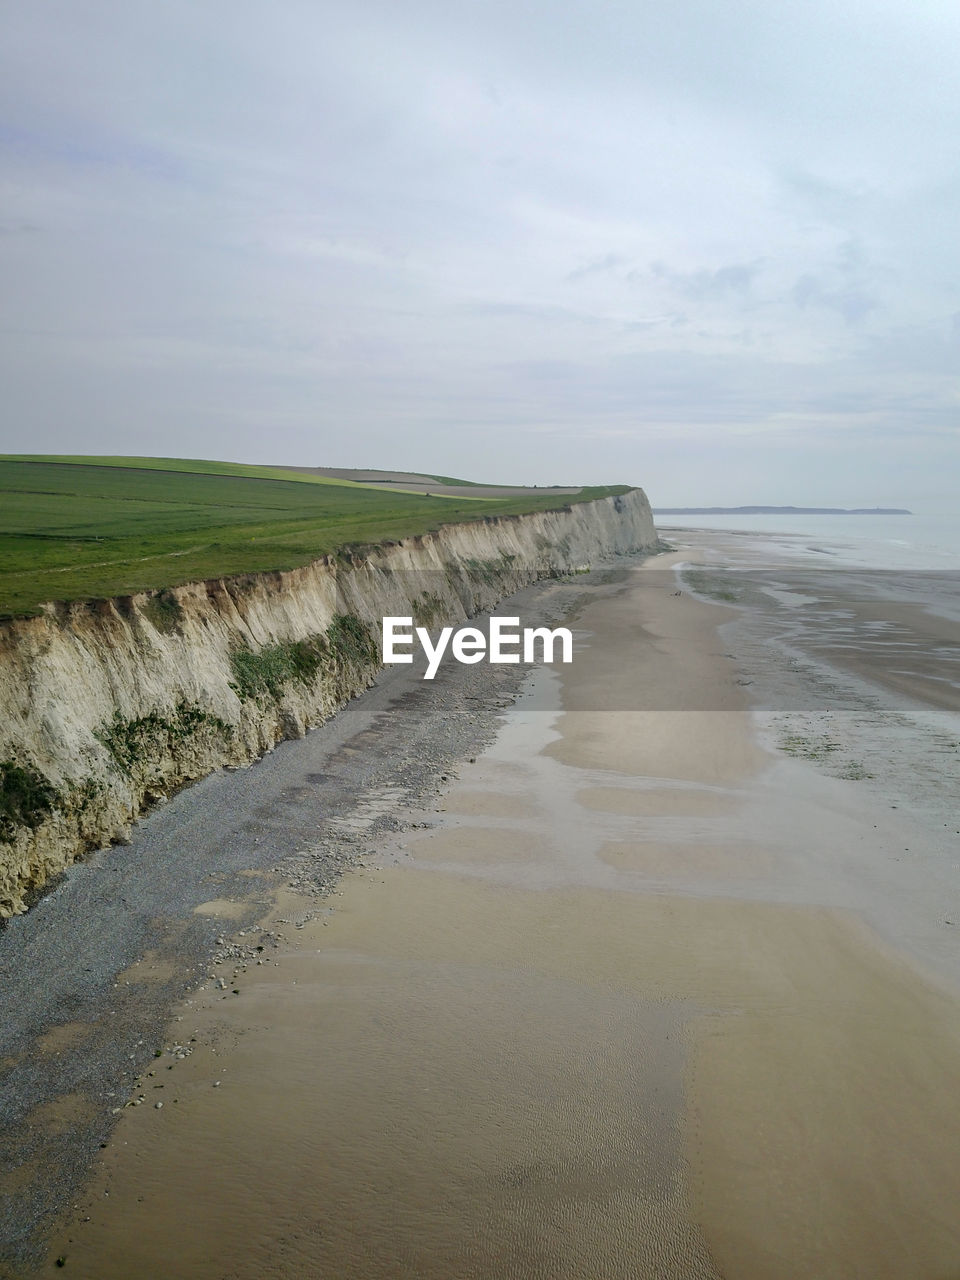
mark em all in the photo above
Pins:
pixel 647 998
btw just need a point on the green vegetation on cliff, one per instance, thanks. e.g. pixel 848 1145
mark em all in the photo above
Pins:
pixel 269 669
pixel 156 735
pixel 25 798
pixel 90 528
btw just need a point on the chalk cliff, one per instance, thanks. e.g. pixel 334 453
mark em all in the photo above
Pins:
pixel 107 706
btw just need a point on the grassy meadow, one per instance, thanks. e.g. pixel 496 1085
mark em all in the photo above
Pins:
pixel 88 528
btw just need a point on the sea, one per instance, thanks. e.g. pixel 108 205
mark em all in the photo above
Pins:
pixel 925 542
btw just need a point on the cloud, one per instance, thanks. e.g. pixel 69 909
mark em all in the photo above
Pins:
pixel 851 303
pixel 704 284
pixel 608 262
pixel 426 234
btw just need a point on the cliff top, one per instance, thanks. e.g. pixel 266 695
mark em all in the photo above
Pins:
pixel 80 528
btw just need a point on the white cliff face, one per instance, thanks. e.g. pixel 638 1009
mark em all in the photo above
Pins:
pixel 115 703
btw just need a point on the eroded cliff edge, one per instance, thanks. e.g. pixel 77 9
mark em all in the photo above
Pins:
pixel 107 706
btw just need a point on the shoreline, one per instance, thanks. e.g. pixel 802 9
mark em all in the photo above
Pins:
pixel 621 1000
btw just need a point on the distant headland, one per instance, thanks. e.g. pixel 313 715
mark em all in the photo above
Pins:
pixel 781 511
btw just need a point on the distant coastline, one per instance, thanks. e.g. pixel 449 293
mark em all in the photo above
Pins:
pixel 781 511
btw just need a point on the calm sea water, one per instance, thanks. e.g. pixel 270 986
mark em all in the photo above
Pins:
pixel 922 542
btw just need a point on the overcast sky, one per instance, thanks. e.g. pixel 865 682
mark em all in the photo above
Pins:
pixel 707 246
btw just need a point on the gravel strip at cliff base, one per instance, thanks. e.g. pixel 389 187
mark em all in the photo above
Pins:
pixel 88 976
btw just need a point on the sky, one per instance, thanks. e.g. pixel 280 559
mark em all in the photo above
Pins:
pixel 708 248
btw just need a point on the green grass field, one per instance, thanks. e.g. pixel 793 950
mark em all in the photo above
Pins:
pixel 87 528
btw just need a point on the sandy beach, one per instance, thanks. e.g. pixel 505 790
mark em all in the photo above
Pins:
pixel 654 985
